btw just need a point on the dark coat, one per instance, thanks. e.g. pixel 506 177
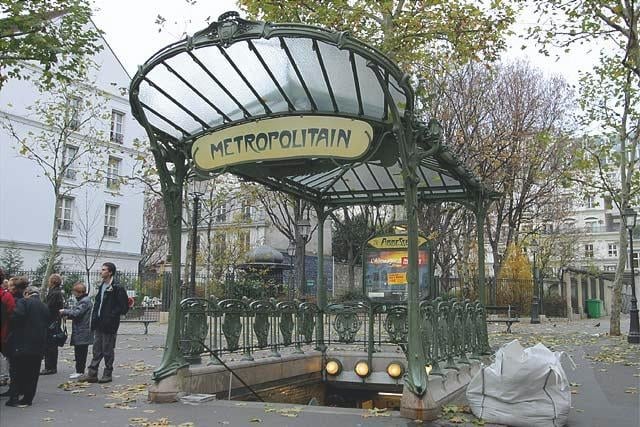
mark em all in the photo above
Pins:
pixel 55 302
pixel 115 304
pixel 28 327
pixel 80 315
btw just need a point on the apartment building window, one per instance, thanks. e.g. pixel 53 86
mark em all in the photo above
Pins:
pixel 221 214
pixel 244 241
pixel 636 259
pixel 74 109
pixel 113 173
pixel 110 220
pixel 219 243
pixel 612 250
pixel 610 268
pixel 246 211
pixel 589 202
pixel 68 159
pixel 591 225
pixel 588 250
pixel 64 214
pixel 117 126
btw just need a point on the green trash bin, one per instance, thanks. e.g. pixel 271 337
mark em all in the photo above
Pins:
pixel 593 308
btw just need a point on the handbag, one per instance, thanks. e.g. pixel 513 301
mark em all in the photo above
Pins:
pixel 58 333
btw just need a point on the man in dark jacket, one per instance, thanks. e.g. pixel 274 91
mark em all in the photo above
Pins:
pixel 55 302
pixel 109 305
pixel 27 343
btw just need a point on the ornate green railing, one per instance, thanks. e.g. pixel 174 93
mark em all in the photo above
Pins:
pixel 452 330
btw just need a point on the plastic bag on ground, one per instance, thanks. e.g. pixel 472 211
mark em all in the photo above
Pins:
pixel 522 387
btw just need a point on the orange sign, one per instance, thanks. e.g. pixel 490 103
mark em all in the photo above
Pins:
pixel 397 278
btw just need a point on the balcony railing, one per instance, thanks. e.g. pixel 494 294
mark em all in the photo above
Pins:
pixel 612 228
pixel 117 137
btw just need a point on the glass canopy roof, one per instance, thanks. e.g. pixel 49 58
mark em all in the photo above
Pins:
pixel 237 72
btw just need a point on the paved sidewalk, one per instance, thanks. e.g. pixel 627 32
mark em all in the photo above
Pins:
pixel 605 393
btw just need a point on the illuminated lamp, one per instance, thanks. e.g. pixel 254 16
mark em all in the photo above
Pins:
pixel 395 370
pixel 333 367
pixel 362 369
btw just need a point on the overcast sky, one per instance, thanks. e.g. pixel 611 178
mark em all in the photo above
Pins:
pixel 130 31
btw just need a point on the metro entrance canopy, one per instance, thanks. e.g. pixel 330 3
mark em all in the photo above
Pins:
pixel 303 110
pixel 297 108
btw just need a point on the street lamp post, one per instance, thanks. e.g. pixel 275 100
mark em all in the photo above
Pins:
pixel 196 190
pixel 630 216
pixel 535 306
pixel 291 251
pixel 303 226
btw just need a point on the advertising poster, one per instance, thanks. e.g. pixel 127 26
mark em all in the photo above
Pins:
pixel 385 269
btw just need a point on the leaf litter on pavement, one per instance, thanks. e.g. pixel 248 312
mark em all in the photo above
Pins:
pixel 160 422
pixel 290 412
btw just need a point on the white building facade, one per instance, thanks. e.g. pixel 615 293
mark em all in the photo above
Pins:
pixel 599 240
pixel 100 221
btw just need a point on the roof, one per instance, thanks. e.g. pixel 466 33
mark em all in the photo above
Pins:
pixel 297 108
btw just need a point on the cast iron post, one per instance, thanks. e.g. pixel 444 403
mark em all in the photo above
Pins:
pixel 535 307
pixel 194 244
pixel 405 133
pixel 321 289
pixel 480 214
pixel 634 328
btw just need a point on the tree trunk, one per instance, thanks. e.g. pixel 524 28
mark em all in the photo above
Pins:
pixel 54 245
pixel 352 267
pixel 616 304
pixel 89 280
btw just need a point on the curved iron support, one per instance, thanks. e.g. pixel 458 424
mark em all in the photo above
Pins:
pixel 416 378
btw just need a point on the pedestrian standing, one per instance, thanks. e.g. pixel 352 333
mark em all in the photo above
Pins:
pixel 7 304
pixel 110 303
pixel 55 302
pixel 16 288
pixel 27 344
pixel 81 335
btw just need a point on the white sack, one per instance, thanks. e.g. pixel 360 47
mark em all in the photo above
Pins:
pixel 522 387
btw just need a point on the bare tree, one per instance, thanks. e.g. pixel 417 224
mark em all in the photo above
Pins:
pixel 88 236
pixel 154 243
pixel 285 212
pixel 353 226
pixel 510 126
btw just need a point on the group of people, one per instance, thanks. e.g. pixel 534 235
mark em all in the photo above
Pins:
pixel 30 330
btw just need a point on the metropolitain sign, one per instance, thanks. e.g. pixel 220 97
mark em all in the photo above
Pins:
pixel 282 138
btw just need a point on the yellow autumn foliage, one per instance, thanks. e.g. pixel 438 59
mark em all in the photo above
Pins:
pixel 515 282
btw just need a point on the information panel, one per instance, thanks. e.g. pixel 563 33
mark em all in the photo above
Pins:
pixel 386 264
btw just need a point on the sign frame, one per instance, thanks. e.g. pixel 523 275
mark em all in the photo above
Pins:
pixel 388 244
pixel 282 138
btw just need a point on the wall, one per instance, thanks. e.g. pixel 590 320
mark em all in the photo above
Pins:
pixel 341 278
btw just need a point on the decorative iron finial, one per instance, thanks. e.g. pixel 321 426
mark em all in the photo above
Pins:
pixel 228 16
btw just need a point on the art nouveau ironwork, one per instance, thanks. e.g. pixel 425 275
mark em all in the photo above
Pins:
pixel 311 112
